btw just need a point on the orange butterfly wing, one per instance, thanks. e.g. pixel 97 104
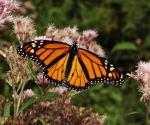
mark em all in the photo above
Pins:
pixel 52 56
pixel 88 68
pixel 76 78
pixel 85 70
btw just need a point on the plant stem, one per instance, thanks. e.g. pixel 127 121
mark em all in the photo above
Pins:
pixel 19 98
pixel 17 101
pixel 147 113
pixel 33 75
pixel 15 104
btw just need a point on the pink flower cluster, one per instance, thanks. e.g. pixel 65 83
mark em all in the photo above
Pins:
pixel 6 7
pixel 27 94
pixel 84 39
pixel 142 74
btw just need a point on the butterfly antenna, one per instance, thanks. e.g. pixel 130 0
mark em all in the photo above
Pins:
pixel 79 39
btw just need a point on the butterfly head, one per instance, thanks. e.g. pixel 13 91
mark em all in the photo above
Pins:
pixel 74 46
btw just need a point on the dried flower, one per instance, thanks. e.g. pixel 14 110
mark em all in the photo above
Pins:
pixel 6 7
pixel 57 113
pixel 19 71
pixel 2 103
pixel 89 35
pixel 142 74
pixel 23 28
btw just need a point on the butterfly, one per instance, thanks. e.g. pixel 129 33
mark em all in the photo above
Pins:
pixel 69 65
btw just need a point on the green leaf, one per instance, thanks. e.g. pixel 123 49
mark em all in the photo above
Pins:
pixel 6 90
pixel 49 96
pixel 147 41
pixel 41 120
pixel 28 103
pixel 33 99
pixel 133 113
pixel 7 107
pixel 124 46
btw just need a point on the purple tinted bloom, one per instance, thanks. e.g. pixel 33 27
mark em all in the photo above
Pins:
pixel 6 7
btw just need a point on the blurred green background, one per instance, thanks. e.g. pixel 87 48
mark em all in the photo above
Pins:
pixel 124 33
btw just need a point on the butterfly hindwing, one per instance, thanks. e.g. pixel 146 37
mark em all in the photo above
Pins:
pixel 77 79
pixel 56 72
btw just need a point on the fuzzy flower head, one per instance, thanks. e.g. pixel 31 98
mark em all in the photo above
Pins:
pixel 60 90
pixel 72 33
pixel 42 80
pixel 23 28
pixel 27 94
pixel 51 30
pixel 89 35
pixel 65 35
pixel 69 34
pixel 142 74
pixel 95 48
pixel 6 7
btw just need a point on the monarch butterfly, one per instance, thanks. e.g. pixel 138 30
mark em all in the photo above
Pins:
pixel 69 65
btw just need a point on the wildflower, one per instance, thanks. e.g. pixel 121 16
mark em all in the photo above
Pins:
pixel 142 74
pixel 19 71
pixel 97 49
pixel 23 28
pixel 89 35
pixel 82 44
pixel 42 80
pixel 93 47
pixel 51 30
pixel 44 83
pixel 72 33
pixel 60 90
pixel 6 7
pixel 57 113
pixel 27 94
pixel 66 35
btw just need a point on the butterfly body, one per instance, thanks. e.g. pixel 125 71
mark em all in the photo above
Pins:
pixel 70 65
pixel 73 52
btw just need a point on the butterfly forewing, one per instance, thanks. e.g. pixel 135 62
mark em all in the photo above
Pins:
pixel 51 55
pixel 98 69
